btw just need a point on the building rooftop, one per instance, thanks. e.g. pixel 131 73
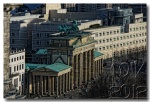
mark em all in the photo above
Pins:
pixel 42 51
pixel 97 54
pixel 71 36
pixel 56 67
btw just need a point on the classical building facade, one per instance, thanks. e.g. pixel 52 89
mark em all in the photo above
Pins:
pixel 72 61
pixel 17 69
pixel 113 41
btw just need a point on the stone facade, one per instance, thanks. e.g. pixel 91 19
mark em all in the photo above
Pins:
pixel 6 51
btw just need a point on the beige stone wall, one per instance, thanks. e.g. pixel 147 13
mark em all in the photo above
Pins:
pixel 6 45
pixel 51 6
pixel 111 36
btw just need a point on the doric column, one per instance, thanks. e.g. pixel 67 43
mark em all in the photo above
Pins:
pixel 68 81
pixel 92 64
pixel 89 65
pixel 38 84
pixel 102 65
pixel 52 85
pixel 45 84
pixel 34 84
pixel 81 68
pixel 95 68
pixel 60 85
pixel 63 83
pixel 85 70
pixel 56 80
pixel 30 83
pixel 49 85
pixel 76 70
pixel 41 85
pixel 72 74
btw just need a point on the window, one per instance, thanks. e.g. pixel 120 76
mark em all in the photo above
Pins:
pixel 16 82
pixel 117 31
pixel 38 35
pixel 17 58
pixel 103 41
pixel 12 60
pixel 100 48
pixel 117 45
pixel 123 44
pixel 121 38
pixel 19 77
pixel 107 47
pixel 136 35
pixel 114 39
pixel 117 38
pixel 14 68
pixel 114 32
pixel 103 33
pixel 107 33
pixel 100 34
pixel 100 41
pixel 110 32
pixel 140 34
pixel 13 41
pixel 130 36
pixel 130 29
pixel 22 66
pixel 22 76
pixel 110 39
pixel 96 35
pixel 107 40
pixel 12 34
pixel 22 57
pixel 103 48
pixel 127 37
pixel 114 46
pixel 17 67
pixel 120 44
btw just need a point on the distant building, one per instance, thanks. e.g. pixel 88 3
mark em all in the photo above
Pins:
pixel 43 31
pixel 76 7
pixel 20 33
pixel 24 16
pixel 17 69
pixel 125 34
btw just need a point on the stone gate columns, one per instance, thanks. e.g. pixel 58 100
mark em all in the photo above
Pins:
pixel 57 83
pixel 85 66
pixel 68 81
pixel 30 84
pixel 60 85
pixel 45 84
pixel 34 84
pixel 41 85
pixel 76 70
pixel 37 85
pixel 90 65
pixel 49 85
pixel 72 74
pixel 81 68
pixel 52 85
